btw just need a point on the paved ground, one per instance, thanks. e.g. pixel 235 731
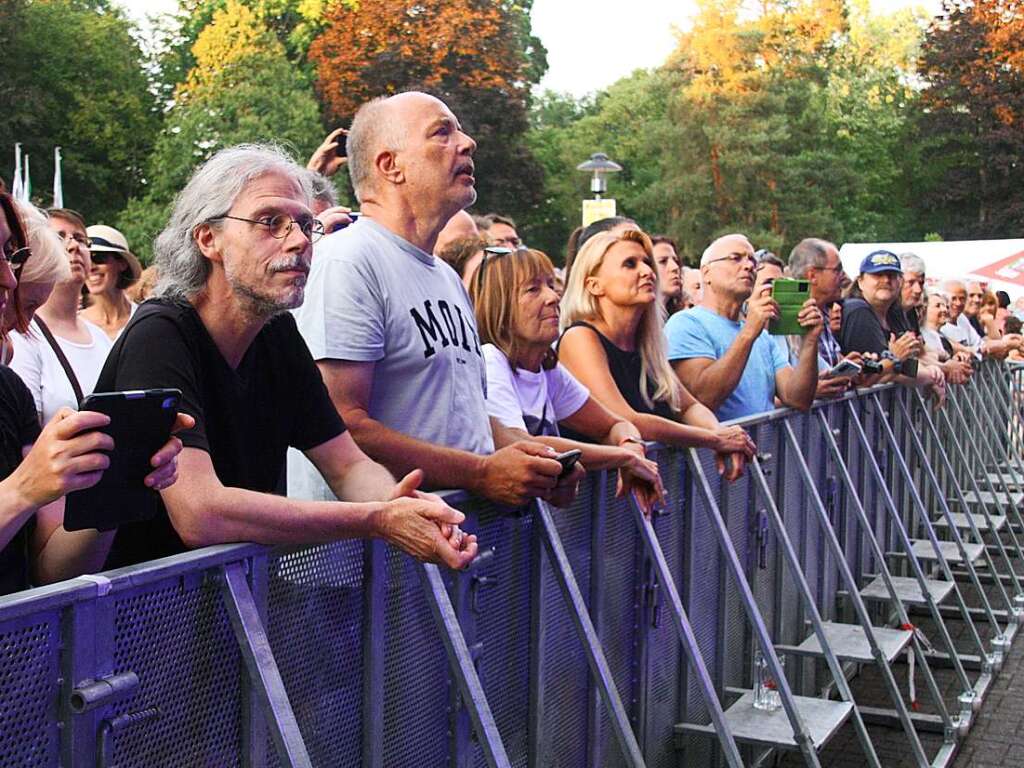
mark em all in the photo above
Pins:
pixel 997 738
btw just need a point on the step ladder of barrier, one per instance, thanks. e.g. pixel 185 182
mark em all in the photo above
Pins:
pixel 918 512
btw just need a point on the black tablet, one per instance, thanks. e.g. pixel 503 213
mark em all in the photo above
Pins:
pixel 140 424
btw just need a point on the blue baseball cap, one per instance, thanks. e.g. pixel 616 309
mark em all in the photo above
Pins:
pixel 880 261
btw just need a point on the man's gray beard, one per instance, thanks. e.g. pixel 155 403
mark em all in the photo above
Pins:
pixel 257 305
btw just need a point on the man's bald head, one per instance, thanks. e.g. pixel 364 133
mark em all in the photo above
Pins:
pixel 459 226
pixel 380 125
pixel 725 246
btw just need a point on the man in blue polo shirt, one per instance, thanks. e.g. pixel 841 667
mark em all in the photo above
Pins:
pixel 732 365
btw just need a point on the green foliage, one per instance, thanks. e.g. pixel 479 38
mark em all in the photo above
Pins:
pixel 73 77
pixel 242 89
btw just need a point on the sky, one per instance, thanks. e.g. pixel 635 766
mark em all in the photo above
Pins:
pixel 590 43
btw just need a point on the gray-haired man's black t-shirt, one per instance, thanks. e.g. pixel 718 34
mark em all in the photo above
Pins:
pixel 246 418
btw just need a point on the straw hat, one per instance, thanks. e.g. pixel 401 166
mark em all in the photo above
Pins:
pixel 109 240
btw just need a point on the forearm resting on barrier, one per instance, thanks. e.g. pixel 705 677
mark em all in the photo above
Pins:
pixel 58 554
pixel 205 512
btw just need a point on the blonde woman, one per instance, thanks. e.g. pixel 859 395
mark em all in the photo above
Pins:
pixel 612 342
pixel 528 390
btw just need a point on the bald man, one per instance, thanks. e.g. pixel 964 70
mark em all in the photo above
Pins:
pixel 391 326
pixel 459 227
pixel 962 331
pixel 730 364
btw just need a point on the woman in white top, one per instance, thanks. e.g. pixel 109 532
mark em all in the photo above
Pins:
pixel 529 391
pixel 83 344
pixel 114 270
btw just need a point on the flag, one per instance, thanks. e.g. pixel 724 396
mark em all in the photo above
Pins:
pixel 58 187
pixel 26 184
pixel 16 181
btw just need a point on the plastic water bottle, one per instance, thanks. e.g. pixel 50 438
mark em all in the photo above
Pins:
pixel 766 691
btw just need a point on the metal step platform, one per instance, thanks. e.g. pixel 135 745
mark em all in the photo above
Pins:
pixel 960 520
pixel 849 642
pixel 908 590
pixel 986 497
pixel 923 550
pixel 1013 478
pixel 772 729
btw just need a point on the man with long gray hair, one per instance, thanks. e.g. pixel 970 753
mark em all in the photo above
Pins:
pixel 233 260
pixel 391 326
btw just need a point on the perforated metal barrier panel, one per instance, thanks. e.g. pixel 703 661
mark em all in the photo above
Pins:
pixel 358 647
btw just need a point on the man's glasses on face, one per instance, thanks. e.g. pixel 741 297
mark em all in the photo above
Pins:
pixel 737 258
pixel 78 237
pixel 280 226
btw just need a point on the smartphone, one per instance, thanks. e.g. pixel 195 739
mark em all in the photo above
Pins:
pixel 790 295
pixel 844 368
pixel 568 461
pixel 341 150
pixel 354 215
pixel 140 424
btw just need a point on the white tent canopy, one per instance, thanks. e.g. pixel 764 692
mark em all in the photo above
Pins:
pixel 1000 263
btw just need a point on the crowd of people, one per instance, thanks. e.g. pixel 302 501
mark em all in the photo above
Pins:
pixel 336 367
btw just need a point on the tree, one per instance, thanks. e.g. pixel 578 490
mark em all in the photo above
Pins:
pixel 73 76
pixel 479 57
pixel 971 128
pixel 241 89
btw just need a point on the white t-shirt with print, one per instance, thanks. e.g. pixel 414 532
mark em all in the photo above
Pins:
pixel 534 402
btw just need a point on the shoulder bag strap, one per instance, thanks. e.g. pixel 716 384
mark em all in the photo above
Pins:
pixel 48 335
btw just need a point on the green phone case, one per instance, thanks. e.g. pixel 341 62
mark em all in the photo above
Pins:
pixel 790 295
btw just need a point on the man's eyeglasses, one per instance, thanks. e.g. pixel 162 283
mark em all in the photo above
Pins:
pixel 78 237
pixel 736 258
pixel 280 226
pixel 491 253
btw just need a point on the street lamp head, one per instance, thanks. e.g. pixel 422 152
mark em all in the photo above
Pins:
pixel 600 166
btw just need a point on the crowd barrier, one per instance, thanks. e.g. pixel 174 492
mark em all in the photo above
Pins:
pixel 589 636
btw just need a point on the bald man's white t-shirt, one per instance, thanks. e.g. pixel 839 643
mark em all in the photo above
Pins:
pixel 372 296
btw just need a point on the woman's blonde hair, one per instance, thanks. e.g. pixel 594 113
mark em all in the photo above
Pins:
pixel 579 304
pixel 494 290
pixel 48 262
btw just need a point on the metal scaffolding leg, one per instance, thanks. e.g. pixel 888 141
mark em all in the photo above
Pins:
pixel 793 561
pixel 801 736
pixel 926 593
pixel 681 622
pixel 588 636
pixel 858 604
pixel 466 678
pixel 264 676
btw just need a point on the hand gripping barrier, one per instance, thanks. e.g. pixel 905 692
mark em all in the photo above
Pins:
pixel 871 534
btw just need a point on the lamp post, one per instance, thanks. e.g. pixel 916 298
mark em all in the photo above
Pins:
pixel 599 166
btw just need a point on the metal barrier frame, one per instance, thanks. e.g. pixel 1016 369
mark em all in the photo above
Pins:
pixel 551 646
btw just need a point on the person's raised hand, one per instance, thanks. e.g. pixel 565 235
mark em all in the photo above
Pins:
pixel 811 318
pixel 906 346
pixel 67 456
pixel 519 472
pixel 335 218
pixel 325 159
pixel 761 310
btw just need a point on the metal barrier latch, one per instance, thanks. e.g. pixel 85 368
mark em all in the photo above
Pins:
pixel 104 691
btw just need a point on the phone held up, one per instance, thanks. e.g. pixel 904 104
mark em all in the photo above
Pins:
pixel 790 295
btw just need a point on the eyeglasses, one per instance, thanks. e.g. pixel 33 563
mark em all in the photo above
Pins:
pixel 280 226
pixel 491 253
pixel 16 257
pixel 78 237
pixel 837 268
pixel 736 258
